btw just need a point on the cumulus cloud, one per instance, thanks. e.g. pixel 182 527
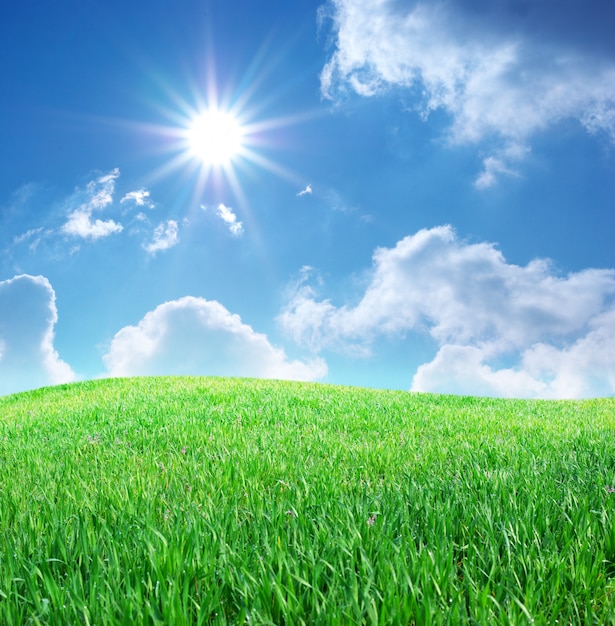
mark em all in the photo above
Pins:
pixel 500 76
pixel 165 236
pixel 28 316
pixel 80 224
pixel 582 368
pixel 197 336
pixel 479 309
pixel 97 196
pixel 462 370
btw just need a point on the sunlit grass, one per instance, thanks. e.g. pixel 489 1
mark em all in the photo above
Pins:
pixel 225 501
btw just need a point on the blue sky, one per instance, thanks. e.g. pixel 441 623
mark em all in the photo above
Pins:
pixel 422 194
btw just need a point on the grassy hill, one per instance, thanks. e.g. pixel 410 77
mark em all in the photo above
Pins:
pixel 228 501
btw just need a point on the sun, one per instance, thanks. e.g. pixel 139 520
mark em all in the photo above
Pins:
pixel 215 137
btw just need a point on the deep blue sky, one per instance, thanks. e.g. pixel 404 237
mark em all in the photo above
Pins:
pixel 424 198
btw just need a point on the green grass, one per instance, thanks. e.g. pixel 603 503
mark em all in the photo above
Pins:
pixel 228 501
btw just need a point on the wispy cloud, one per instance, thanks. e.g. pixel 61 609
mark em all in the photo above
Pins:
pixel 165 236
pixel 76 220
pixel 335 201
pixel 492 168
pixel 502 80
pixel 97 196
pixel 197 336
pixel 479 309
pixel 227 215
pixel 28 316
pixel 140 197
pixel 305 192
pixel 33 237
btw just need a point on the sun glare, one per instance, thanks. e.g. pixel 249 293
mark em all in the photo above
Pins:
pixel 215 137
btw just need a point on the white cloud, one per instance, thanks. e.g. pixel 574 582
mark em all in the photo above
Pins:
pixel 141 197
pixel 478 308
pixel 28 315
pixel 100 191
pixel 493 166
pixel 80 224
pixel 97 196
pixel 34 236
pixel 462 370
pixel 306 191
pixel 165 237
pixel 196 336
pixel 583 368
pixel 77 220
pixel 226 215
pixel 497 84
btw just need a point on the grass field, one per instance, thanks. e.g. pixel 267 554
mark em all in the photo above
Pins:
pixel 227 501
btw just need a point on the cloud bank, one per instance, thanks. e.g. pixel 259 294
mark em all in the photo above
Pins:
pixel 503 71
pixel 501 329
pixel 197 336
pixel 28 316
